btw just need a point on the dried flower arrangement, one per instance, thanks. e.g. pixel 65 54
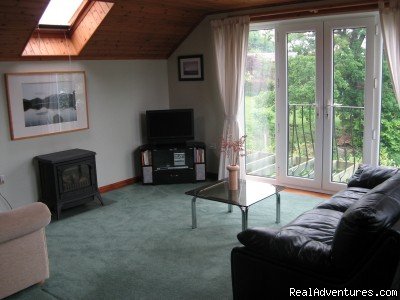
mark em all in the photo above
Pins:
pixel 233 148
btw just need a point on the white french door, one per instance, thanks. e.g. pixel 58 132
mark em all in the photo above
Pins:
pixel 347 144
pixel 326 90
pixel 300 92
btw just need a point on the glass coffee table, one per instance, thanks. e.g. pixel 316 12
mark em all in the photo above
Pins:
pixel 249 193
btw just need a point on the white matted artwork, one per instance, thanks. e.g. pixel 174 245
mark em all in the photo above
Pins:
pixel 46 103
pixel 190 67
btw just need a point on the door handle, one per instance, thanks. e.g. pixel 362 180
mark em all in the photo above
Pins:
pixel 317 109
pixel 339 105
pixel 329 107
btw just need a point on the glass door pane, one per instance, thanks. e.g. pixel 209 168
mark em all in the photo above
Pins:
pixel 349 76
pixel 389 147
pixel 260 113
pixel 301 95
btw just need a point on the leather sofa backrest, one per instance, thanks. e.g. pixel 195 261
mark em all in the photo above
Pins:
pixel 364 221
pixel 367 176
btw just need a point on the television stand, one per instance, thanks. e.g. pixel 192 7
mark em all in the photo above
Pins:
pixel 173 163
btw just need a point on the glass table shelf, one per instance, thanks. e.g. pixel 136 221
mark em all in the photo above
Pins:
pixel 249 193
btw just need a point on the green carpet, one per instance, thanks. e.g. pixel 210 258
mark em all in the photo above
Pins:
pixel 140 245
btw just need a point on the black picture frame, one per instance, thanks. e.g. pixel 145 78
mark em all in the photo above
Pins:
pixel 190 68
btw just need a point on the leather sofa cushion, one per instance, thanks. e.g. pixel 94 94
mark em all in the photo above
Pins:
pixel 363 223
pixel 368 176
pixel 316 224
pixel 342 200
pixel 305 242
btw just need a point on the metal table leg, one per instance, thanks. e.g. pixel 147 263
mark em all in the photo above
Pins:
pixel 245 211
pixel 229 208
pixel 194 219
pixel 278 208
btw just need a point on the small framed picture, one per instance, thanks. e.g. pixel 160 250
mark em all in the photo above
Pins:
pixel 190 67
pixel 46 103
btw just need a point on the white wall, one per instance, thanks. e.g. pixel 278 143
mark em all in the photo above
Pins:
pixel 202 96
pixel 118 93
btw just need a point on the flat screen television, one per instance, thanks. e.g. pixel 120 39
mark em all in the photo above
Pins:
pixel 169 126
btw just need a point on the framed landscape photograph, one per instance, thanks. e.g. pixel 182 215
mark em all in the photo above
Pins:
pixel 46 103
pixel 190 67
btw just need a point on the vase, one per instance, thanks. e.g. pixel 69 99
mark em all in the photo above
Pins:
pixel 233 178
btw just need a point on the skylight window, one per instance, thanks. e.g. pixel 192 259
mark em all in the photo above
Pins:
pixel 61 12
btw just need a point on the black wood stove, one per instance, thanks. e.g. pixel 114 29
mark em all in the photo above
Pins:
pixel 67 179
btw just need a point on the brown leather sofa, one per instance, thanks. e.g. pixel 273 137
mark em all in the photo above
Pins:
pixel 23 248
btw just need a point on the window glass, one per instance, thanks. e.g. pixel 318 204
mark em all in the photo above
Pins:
pixel 60 12
pixel 389 147
pixel 260 103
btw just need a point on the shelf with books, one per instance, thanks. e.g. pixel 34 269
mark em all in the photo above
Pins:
pixel 146 158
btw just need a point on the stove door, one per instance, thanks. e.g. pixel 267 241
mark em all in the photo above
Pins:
pixel 76 179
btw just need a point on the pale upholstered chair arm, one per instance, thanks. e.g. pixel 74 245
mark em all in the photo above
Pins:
pixel 23 220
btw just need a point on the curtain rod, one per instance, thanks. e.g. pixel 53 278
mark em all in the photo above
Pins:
pixel 315 9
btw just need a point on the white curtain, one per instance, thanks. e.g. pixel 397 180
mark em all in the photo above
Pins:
pixel 390 24
pixel 230 42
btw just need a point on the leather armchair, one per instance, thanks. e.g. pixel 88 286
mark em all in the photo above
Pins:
pixel 23 249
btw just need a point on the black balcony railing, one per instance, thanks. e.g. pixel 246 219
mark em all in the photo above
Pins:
pixel 347 141
pixel 301 140
pixel 347 135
